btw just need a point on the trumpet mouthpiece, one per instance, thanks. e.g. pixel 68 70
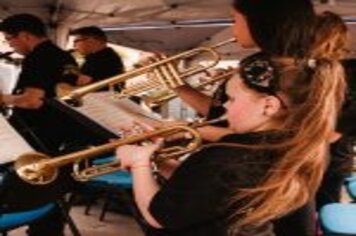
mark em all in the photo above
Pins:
pixel 71 101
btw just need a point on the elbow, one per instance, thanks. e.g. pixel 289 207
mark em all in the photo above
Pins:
pixel 151 220
pixel 153 223
pixel 32 104
pixel 36 104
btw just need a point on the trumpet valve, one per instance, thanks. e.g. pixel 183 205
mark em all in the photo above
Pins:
pixel 72 101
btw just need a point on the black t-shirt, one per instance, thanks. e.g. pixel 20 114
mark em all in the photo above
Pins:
pixel 43 68
pixel 103 64
pixel 194 200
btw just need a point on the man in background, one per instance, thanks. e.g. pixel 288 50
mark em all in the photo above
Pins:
pixel 101 61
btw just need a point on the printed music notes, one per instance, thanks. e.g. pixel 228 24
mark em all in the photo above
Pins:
pixel 113 114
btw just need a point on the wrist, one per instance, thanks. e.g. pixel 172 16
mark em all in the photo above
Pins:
pixel 180 88
pixel 2 100
pixel 6 100
pixel 141 166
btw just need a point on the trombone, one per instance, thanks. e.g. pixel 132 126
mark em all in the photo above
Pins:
pixel 165 72
pixel 39 169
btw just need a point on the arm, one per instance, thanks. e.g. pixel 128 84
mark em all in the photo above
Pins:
pixel 197 100
pixel 144 184
pixel 32 98
pixel 144 187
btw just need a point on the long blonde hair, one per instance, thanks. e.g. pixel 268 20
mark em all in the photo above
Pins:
pixel 315 90
pixel 331 37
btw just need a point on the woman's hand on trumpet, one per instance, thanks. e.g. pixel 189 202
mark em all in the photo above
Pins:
pixel 136 156
pixel 132 156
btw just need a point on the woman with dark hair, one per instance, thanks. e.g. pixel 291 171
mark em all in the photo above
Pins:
pixel 284 28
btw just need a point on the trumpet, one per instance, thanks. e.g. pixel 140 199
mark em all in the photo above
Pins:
pixel 40 169
pixel 165 72
pixel 166 95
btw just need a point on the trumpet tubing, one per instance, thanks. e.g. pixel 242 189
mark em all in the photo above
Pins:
pixel 164 69
pixel 166 95
pixel 138 88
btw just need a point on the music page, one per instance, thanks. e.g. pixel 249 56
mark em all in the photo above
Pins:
pixel 12 145
pixel 114 114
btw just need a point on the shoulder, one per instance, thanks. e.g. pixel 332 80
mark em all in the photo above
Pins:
pixel 226 148
pixel 108 51
pixel 226 167
pixel 51 52
pixel 229 154
pixel 48 46
pixel 106 55
pixel 226 156
pixel 112 54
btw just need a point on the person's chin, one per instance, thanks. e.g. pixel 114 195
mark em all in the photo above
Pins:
pixel 248 45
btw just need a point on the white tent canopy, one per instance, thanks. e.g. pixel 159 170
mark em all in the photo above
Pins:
pixel 165 25
pixel 62 15
pixel 168 26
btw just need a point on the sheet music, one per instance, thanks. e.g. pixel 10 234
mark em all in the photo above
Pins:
pixel 113 114
pixel 12 145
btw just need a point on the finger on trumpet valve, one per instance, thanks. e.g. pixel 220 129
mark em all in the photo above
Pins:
pixel 135 128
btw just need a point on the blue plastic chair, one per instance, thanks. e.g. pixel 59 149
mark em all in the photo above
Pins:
pixel 116 183
pixel 338 219
pixel 350 184
pixel 13 220
pixel 120 179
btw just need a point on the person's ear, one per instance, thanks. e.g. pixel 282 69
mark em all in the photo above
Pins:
pixel 271 105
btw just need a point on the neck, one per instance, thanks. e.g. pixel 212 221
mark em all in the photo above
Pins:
pixel 34 42
pixel 98 48
pixel 268 125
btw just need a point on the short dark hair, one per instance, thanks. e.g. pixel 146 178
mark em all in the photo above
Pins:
pixel 90 31
pixel 23 22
